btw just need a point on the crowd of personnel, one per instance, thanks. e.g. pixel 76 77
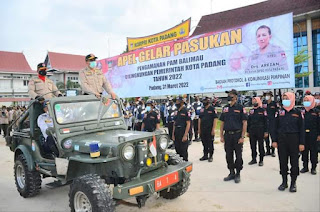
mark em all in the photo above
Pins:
pixel 292 130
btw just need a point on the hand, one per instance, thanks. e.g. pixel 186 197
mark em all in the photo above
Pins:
pixel 60 95
pixel 301 148
pixel 248 134
pixel 113 95
pixel 241 140
pixel 185 138
pixel 266 135
pixel 173 138
pixel 98 95
pixel 221 138
pixel 275 145
pixel 318 138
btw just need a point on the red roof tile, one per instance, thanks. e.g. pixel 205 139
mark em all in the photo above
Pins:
pixel 14 99
pixel 14 62
pixel 66 62
pixel 237 17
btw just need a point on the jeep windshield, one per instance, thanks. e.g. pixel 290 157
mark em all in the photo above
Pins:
pixel 72 112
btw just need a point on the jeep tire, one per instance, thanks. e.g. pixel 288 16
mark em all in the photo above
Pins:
pixel 90 193
pixel 28 183
pixel 176 190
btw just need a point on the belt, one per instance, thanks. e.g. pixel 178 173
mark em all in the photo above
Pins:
pixel 179 126
pixel 307 130
pixel 233 132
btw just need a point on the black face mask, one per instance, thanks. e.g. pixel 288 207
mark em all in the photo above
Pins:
pixel 255 105
pixel 43 72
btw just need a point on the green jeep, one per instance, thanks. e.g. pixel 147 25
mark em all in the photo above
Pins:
pixel 103 161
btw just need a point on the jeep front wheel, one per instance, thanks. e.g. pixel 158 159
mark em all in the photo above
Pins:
pixel 90 193
pixel 176 190
pixel 28 183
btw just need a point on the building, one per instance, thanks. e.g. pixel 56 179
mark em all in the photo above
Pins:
pixel 306 27
pixel 15 74
pixel 65 67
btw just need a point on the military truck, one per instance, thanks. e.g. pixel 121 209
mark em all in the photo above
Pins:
pixel 102 160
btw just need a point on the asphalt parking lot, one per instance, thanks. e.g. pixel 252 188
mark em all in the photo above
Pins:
pixel 207 192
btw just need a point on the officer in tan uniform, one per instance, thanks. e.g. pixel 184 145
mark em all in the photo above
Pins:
pixel 92 79
pixel 42 86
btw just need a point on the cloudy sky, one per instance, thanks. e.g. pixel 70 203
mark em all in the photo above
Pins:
pixel 97 26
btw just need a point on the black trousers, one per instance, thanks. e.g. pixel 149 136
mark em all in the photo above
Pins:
pixel 256 136
pixel 170 128
pixel 195 127
pixel 163 118
pixel 288 147
pixel 269 147
pixel 232 146
pixel 310 146
pixel 207 142
pixel 137 126
pixel 181 147
pixel 190 131
pixel 51 145
pixel 4 128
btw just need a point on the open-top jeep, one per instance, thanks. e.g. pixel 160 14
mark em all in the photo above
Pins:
pixel 102 160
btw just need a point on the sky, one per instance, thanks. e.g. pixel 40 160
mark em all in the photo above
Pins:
pixel 101 27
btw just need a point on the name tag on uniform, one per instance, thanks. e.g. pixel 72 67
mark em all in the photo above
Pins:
pixel 209 111
pixel 273 107
pixel 226 110
pixel 282 112
pixel 182 114
pixel 264 105
pixel 152 117
pixel 314 114
pixel 295 115
pixel 47 121
pixel 89 73
pixel 260 113
pixel 251 112
pixel 237 111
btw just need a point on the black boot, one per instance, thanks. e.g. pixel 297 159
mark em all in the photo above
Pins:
pixel 304 169
pixel 253 161
pixel 204 157
pixel 230 176
pixel 284 183
pixel 210 159
pixel 273 154
pixel 313 170
pixel 293 186
pixel 261 161
pixel 237 177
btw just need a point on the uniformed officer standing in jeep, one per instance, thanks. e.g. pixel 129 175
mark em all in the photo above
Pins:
pixel 92 79
pixel 42 86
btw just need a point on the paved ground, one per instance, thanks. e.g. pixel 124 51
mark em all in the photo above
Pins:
pixel 256 192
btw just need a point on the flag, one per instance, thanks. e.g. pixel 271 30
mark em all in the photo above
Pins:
pixel 153 146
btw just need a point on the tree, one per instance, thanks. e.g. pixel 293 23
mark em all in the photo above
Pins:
pixel 300 58
pixel 60 85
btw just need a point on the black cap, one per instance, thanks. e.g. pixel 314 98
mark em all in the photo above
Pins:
pixel 233 91
pixel 268 93
pixel 180 98
pixel 91 57
pixel 41 66
pixel 205 98
pixel 150 102
pixel 317 94
pixel 45 103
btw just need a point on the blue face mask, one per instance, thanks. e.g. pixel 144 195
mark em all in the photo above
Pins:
pixel 148 108
pixel 307 104
pixel 93 64
pixel 286 103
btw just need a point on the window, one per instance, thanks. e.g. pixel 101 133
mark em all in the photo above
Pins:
pixel 25 82
pixel 316 56
pixel 300 42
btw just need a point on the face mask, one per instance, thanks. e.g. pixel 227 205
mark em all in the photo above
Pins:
pixel 255 105
pixel 148 108
pixel 93 64
pixel 317 101
pixel 43 72
pixel 286 103
pixel 267 97
pixel 307 104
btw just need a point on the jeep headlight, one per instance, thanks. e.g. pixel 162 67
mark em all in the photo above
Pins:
pixel 128 152
pixel 163 143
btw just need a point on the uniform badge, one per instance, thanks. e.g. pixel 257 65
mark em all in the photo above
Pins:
pixel 282 113
pixel 265 113
pixel 303 112
pixel 209 111
pixel 244 111
pixel 189 114
pixel 175 113
pixel 251 111
pixel 202 110
pixel 226 110
pixel 264 105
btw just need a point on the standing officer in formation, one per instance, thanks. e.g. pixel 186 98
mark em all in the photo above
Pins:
pixel 192 113
pixel 181 129
pixel 312 126
pixel 232 130
pixel 207 124
pixel 171 111
pixel 151 121
pixel 271 107
pixel 197 105
pixel 289 138
pixel 92 79
pixel 139 115
pixel 257 130
pixel 42 86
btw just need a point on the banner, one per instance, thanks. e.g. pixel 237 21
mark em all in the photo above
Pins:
pixel 258 55
pixel 180 31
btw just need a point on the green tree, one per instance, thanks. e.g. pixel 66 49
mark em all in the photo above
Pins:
pixel 60 85
pixel 301 57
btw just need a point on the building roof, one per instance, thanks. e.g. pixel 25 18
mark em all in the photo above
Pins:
pixel 66 62
pixel 14 62
pixel 9 99
pixel 240 16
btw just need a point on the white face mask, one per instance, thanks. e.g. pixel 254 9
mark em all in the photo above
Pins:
pixel 267 97
pixel 317 101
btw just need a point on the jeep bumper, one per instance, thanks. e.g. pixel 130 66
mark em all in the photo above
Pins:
pixel 153 181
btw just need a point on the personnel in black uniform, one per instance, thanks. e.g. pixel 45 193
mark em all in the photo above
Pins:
pixel 171 110
pixel 312 126
pixel 197 105
pixel 181 128
pixel 151 120
pixel 289 135
pixel 257 130
pixel 139 115
pixel 232 130
pixel 271 107
pixel 207 124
